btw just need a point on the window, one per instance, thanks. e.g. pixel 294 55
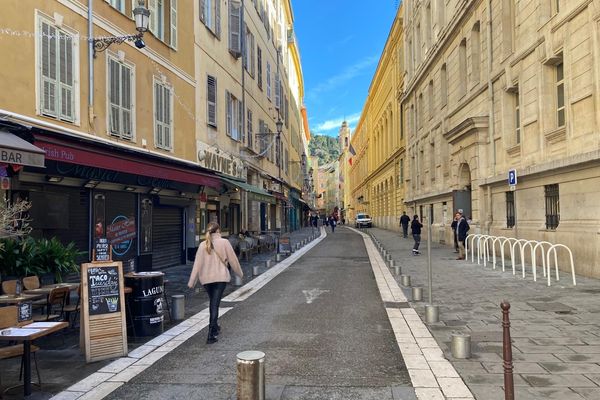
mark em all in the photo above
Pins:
pixel 235 28
pixel 118 4
pixel 475 53
pixel 120 95
pixel 163 121
pixel 517 116
pixel 510 209
pixel 211 100
pixel 261 137
pixel 249 129
pixel 443 86
pixel 174 23
pixel 552 206
pixel 260 70
pixel 234 116
pixel 430 96
pixel 560 95
pixel 58 54
pixel 428 27
pixel 462 67
pixel 249 52
pixel 210 15
pixel 441 14
pixel 401 170
pixel 277 92
pixel 157 18
pixel 268 80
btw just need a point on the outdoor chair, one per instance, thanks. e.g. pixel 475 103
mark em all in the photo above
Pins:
pixel 245 250
pixel 8 318
pixel 31 282
pixel 73 309
pixel 9 287
pixel 55 309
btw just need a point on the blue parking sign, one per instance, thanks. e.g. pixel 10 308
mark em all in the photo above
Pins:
pixel 512 177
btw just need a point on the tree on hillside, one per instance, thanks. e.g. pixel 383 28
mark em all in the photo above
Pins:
pixel 325 148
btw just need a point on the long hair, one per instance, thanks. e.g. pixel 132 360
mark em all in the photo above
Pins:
pixel 212 227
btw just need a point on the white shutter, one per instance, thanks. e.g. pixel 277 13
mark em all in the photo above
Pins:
pixel 126 103
pixel 277 92
pixel 66 76
pixel 158 107
pixel 48 70
pixel 174 23
pixel 217 17
pixel 211 100
pixel 114 96
pixel 167 119
pixel 229 112
pixel 235 28
pixel 240 125
pixel 153 24
pixel 268 80
pixel 249 129
pixel 201 7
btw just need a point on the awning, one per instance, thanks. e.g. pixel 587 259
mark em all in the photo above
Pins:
pixel 14 150
pixel 254 192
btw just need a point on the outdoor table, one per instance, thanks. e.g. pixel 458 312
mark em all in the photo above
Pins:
pixel 8 299
pixel 46 289
pixel 26 334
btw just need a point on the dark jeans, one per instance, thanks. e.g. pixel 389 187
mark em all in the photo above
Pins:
pixel 215 292
pixel 405 230
pixel 417 238
pixel 332 227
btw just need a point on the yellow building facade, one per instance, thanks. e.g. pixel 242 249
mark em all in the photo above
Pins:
pixel 377 171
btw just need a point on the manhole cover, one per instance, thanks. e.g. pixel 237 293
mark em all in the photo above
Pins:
pixel 551 306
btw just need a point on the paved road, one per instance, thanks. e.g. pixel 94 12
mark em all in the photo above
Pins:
pixel 321 324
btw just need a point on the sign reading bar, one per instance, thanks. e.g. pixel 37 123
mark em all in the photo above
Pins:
pixel 103 326
pixel 102 251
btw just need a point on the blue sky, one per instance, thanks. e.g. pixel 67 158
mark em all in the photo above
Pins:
pixel 340 45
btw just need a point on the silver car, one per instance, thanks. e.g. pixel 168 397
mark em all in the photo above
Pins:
pixel 363 220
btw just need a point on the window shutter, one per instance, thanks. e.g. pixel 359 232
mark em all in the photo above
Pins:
pixel 217 17
pixel 277 92
pixel 201 5
pixel 66 76
pixel 240 125
pixel 211 99
pixel 158 114
pixel 174 23
pixel 235 27
pixel 153 23
pixel 268 80
pixel 259 62
pixel 114 97
pixel 229 112
pixel 249 129
pixel 167 120
pixel 126 104
pixel 48 69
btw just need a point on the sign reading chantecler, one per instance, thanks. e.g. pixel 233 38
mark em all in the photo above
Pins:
pixel 212 158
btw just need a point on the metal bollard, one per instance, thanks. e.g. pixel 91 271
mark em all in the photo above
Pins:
pixel 391 263
pixel 268 263
pixel 237 281
pixel 279 257
pixel 389 257
pixel 405 280
pixel 177 307
pixel 417 293
pixel 509 384
pixel 384 253
pixel 251 375
pixel 460 346
pixel 255 271
pixel 397 270
pixel 432 314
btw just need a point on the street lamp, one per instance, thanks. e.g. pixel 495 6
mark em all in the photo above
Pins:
pixel 142 19
pixel 279 127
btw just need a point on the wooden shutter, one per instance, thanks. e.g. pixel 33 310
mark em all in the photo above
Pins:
pixel 174 23
pixel 240 125
pixel 235 27
pixel 167 120
pixel 48 69
pixel 217 17
pixel 201 6
pixel 277 92
pixel 65 62
pixel 153 23
pixel 269 80
pixel 211 100
pixel 229 112
pixel 158 108
pixel 114 96
pixel 126 103
pixel 249 128
pixel 259 62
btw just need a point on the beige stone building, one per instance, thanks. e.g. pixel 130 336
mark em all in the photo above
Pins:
pixel 493 86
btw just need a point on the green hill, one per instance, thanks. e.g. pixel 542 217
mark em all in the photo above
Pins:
pixel 326 148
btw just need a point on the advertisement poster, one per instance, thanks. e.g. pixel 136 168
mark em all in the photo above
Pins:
pixel 121 233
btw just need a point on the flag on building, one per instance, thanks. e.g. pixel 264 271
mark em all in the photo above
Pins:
pixel 350 160
pixel 351 150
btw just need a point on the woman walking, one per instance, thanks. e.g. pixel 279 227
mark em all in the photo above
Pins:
pixel 415 227
pixel 210 268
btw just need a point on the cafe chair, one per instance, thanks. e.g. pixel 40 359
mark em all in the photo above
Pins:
pixel 8 319
pixel 55 309
pixel 9 287
pixel 31 282
pixel 73 309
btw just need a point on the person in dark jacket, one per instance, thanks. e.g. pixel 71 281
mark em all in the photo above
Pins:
pixel 462 229
pixel 404 221
pixel 454 233
pixel 415 227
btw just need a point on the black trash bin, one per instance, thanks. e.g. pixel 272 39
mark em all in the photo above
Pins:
pixel 146 302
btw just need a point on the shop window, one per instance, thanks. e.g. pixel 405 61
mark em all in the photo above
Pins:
pixel 99 216
pixel 146 226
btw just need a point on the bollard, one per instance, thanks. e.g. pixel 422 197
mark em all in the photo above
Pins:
pixel 268 264
pixel 391 263
pixel 237 281
pixel 509 385
pixel 255 271
pixel 177 307
pixel 417 293
pixel 405 280
pixel 397 270
pixel 432 314
pixel 251 375
pixel 279 257
pixel 384 253
pixel 460 346
pixel 389 257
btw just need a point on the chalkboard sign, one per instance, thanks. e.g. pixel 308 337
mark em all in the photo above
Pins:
pixel 284 245
pixel 25 312
pixel 102 251
pixel 103 328
pixel 103 290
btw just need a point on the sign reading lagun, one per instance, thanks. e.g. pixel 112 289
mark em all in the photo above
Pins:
pixel 103 285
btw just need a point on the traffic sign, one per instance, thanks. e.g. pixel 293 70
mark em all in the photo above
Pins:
pixel 512 177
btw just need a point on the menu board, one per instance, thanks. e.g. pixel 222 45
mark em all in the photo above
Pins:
pixel 101 250
pixel 103 290
pixel 284 245
pixel 25 312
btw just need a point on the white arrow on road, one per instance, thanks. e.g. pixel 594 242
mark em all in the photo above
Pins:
pixel 312 294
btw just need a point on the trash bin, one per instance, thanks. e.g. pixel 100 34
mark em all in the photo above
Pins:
pixel 146 302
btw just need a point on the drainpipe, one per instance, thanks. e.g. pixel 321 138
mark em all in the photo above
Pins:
pixel 490 216
pixel 243 116
pixel 90 63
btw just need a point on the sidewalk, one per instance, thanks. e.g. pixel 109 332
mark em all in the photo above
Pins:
pixel 555 330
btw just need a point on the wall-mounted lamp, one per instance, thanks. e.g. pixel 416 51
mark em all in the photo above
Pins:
pixel 92 183
pixel 142 19
pixel 155 190
pixel 54 179
pixel 129 189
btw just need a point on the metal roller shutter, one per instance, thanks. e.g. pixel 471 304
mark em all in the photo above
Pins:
pixel 167 241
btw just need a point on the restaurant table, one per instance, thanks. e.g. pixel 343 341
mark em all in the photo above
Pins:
pixel 26 334
pixel 46 289
pixel 8 299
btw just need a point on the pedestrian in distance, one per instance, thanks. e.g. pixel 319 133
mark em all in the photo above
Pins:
pixel 404 221
pixel 332 223
pixel 453 225
pixel 462 229
pixel 214 258
pixel 415 228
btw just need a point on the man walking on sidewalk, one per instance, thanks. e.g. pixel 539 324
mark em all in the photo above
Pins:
pixel 454 233
pixel 404 220
pixel 462 229
pixel 415 227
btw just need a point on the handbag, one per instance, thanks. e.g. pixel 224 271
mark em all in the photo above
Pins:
pixel 226 264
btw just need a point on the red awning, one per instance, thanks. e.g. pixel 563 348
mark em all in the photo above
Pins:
pixel 94 157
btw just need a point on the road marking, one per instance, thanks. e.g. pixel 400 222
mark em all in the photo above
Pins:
pixel 312 294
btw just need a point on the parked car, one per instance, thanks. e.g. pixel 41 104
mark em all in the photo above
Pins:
pixel 363 220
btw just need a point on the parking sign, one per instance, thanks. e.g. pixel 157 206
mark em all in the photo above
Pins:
pixel 512 177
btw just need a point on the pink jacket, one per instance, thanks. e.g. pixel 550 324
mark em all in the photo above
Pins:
pixel 208 268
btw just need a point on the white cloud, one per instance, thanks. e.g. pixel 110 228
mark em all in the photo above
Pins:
pixel 336 123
